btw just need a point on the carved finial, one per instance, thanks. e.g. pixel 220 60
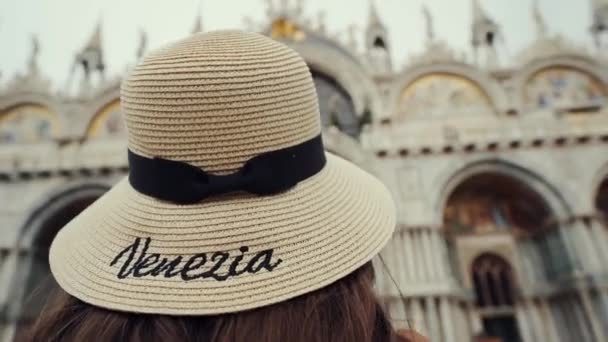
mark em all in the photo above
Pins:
pixel 430 32
pixel 321 21
pixel 485 34
pixel 33 60
pixel 478 13
pixel 143 43
pixel 539 21
pixel 352 37
pixel 95 40
pixel 374 18
pixel 91 57
pixel 270 10
pixel 599 27
pixel 299 9
pixel 284 7
pixel 198 21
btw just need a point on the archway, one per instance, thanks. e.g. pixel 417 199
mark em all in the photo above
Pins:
pixel 33 280
pixel 28 123
pixel 107 122
pixel 490 202
pixel 439 94
pixel 601 200
pixel 336 106
pixel 494 283
pixel 565 88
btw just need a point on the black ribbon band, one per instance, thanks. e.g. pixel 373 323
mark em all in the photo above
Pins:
pixel 265 174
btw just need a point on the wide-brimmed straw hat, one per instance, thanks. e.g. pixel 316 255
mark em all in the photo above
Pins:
pixel 231 202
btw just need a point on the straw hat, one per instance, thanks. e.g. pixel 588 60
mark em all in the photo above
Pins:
pixel 231 203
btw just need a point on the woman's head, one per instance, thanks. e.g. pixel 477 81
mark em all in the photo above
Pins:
pixel 346 310
pixel 232 214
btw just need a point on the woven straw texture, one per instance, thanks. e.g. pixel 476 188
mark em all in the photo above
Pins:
pixel 215 100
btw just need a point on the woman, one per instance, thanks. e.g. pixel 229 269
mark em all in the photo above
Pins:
pixel 233 224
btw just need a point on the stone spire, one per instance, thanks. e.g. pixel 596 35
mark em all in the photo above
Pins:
pixel 33 60
pixel 430 31
pixel 376 43
pixel 321 26
pixel 539 21
pixel 198 21
pixel 374 18
pixel 95 40
pixel 599 27
pixel 485 33
pixel 143 43
pixel 91 56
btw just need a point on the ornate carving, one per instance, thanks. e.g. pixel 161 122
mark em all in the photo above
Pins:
pixel 28 123
pixel 107 122
pixel 547 47
pixel 485 34
pixel 564 88
pixel 439 94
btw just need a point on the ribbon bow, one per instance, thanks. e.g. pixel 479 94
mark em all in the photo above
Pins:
pixel 265 174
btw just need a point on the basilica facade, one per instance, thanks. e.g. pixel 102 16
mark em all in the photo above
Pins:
pixel 499 170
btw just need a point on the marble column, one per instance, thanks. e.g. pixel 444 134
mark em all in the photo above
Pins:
pixel 585 248
pixel 569 241
pixel 447 326
pixel 564 321
pixel 7 284
pixel 420 253
pixel 398 314
pixel 440 250
pixel 538 326
pixel 474 319
pixel 523 321
pixel 410 260
pixel 418 323
pixel 428 255
pixel 549 322
pixel 603 303
pixel 401 275
pixel 432 319
pixel 461 326
pixel 582 322
pixel 600 238
pixel 594 322
pixel 390 268
pixel 7 276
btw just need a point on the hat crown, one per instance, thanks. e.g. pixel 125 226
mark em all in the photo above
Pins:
pixel 218 99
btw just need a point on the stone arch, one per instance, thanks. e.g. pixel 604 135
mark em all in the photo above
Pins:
pixel 449 181
pixel 107 121
pixel 29 121
pixel 576 64
pixel 495 271
pixel 494 287
pixel 326 57
pixel 600 198
pixel 486 88
pixel 44 220
pixel 493 196
pixel 599 181
pixel 335 105
pixel 99 107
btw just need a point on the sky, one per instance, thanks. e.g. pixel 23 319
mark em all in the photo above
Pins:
pixel 64 26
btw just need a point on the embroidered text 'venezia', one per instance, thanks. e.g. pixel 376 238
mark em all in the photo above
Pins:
pixel 138 263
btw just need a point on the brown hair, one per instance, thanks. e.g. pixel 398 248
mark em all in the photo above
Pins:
pixel 346 310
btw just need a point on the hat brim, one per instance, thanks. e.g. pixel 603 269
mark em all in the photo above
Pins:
pixel 322 229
